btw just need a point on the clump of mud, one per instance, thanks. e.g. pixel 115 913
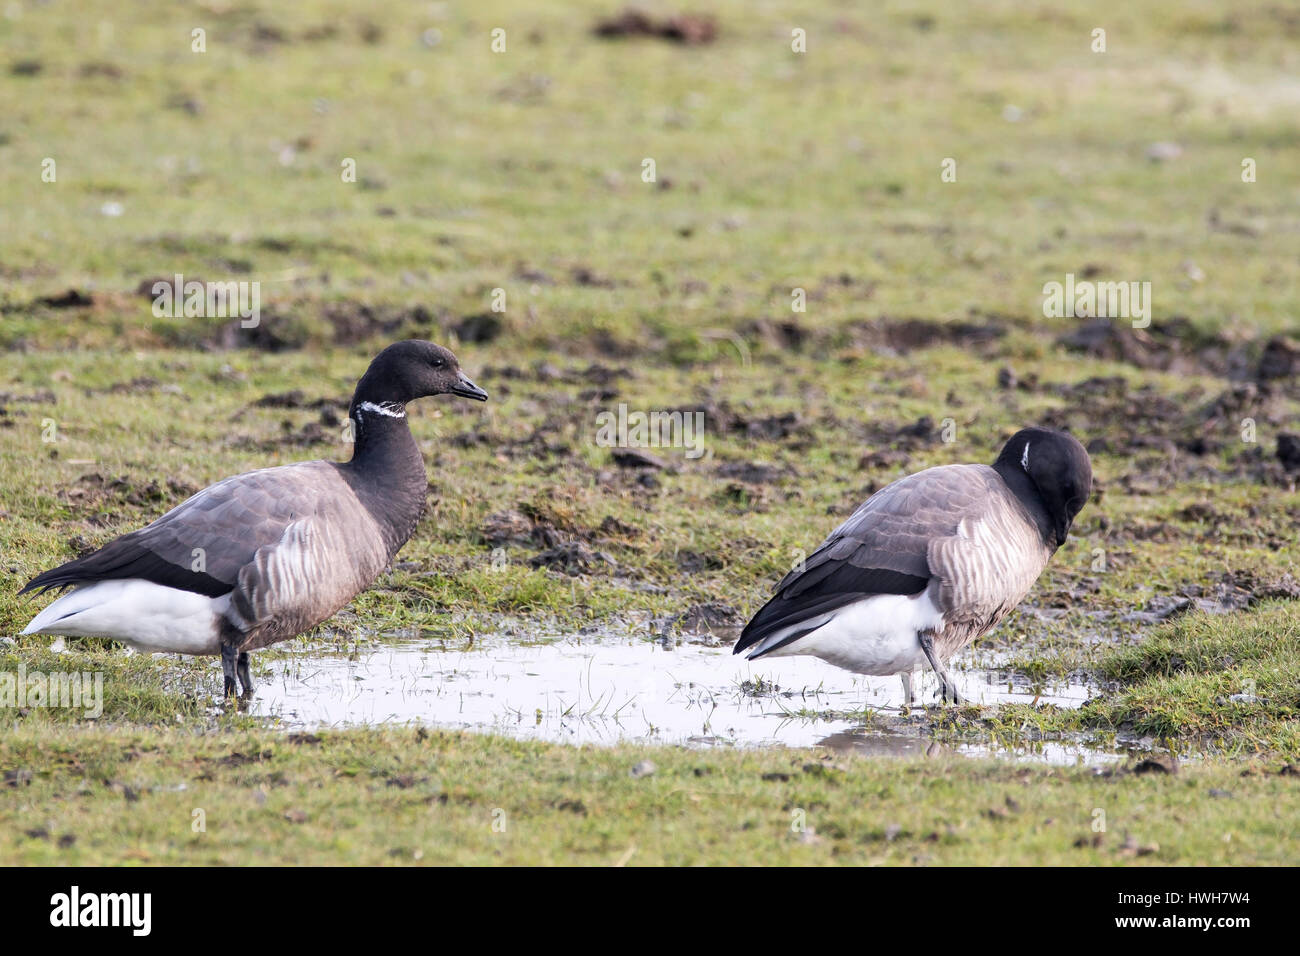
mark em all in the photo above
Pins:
pixel 687 29
pixel 1177 345
pixel 1228 592
pixel 94 492
pixel 573 557
pixel 560 536
pixel 722 417
pixel 901 336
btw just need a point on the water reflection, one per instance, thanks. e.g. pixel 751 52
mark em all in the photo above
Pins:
pixel 605 688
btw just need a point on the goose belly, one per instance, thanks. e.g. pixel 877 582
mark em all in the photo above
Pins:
pixel 144 615
pixel 877 635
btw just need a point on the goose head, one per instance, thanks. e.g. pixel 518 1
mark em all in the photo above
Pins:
pixel 1059 469
pixel 412 369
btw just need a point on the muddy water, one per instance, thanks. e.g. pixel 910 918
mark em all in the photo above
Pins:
pixel 608 688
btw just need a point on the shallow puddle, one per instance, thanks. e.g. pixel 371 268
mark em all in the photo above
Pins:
pixel 605 689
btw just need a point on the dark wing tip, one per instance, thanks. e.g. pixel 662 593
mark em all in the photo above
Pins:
pixel 837 583
pixel 47 581
pixel 112 563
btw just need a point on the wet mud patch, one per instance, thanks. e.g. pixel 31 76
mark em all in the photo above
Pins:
pixel 9 414
pixel 547 372
pixel 289 327
pixel 563 537
pixel 1226 593
pixel 755 473
pixel 884 336
pixel 284 326
pixel 325 427
pixel 723 419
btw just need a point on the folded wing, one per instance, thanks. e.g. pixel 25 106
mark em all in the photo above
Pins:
pixel 203 543
pixel 885 547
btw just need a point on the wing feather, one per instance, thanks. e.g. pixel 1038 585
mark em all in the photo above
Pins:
pixel 203 543
pixel 885 547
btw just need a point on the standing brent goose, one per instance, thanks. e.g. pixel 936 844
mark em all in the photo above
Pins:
pixel 264 556
pixel 929 563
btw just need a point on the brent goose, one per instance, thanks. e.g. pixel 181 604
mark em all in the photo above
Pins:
pixel 264 556
pixel 929 563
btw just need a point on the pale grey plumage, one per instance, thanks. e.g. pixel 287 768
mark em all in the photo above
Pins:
pixel 987 561
pixel 959 526
pixel 963 543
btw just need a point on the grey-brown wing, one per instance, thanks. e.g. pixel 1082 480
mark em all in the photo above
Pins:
pixel 316 566
pixel 203 543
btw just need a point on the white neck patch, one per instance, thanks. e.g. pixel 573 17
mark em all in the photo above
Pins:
pixel 387 409
pixel 1024 458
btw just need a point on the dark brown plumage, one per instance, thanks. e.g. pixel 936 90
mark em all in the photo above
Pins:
pixel 266 555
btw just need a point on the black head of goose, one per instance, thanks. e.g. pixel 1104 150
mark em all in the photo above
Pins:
pixel 264 556
pixel 929 563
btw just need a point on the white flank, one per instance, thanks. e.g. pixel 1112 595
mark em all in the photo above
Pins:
pixel 147 616
pixel 877 635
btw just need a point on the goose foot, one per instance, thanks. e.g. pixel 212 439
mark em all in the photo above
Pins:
pixel 245 678
pixel 947 686
pixel 948 692
pixel 228 658
pixel 907 689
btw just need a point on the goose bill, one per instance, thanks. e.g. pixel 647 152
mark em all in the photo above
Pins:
pixel 467 389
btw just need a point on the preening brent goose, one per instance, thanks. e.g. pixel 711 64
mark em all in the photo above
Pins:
pixel 266 555
pixel 929 563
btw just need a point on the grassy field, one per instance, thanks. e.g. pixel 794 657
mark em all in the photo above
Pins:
pixel 923 342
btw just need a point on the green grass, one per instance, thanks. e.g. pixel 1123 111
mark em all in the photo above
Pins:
pixel 522 171
pixel 1232 680
pixel 382 797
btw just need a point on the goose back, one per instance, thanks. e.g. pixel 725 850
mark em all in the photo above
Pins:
pixel 955 528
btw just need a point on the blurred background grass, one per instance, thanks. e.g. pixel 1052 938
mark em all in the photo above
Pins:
pixel 479 170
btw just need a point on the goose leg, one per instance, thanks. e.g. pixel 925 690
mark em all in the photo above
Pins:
pixel 947 686
pixel 228 659
pixel 907 688
pixel 245 678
